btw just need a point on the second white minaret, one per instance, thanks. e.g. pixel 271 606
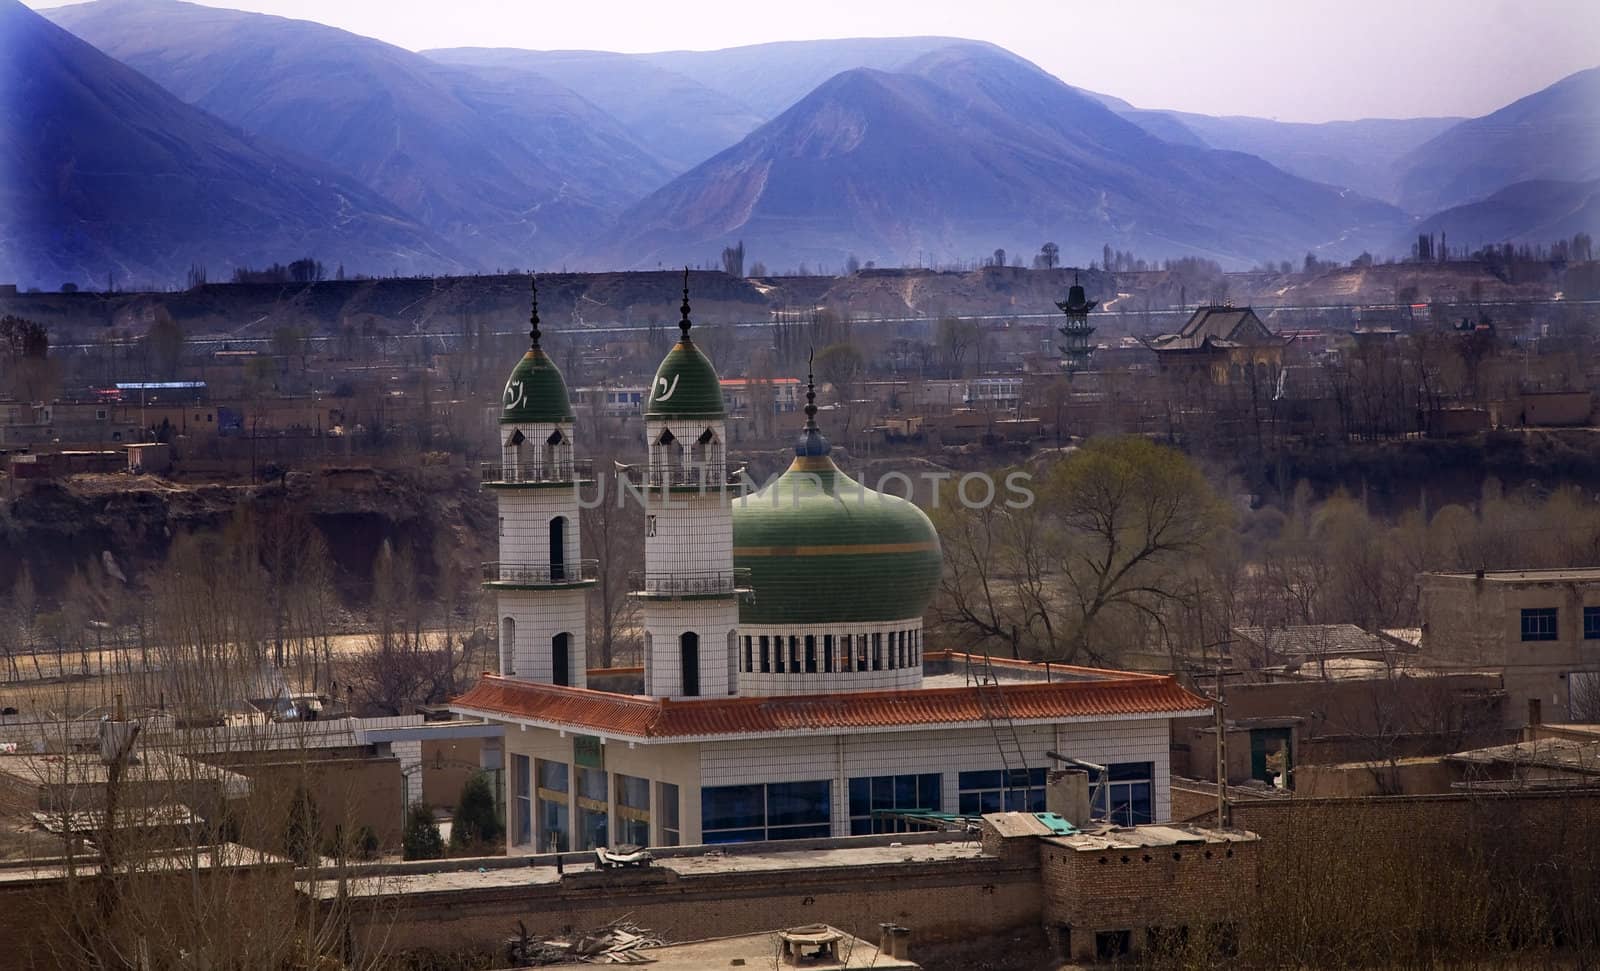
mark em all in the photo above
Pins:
pixel 688 589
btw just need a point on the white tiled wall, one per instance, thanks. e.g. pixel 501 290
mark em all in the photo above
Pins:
pixel 713 620
pixel 693 532
pixel 539 615
pixel 525 516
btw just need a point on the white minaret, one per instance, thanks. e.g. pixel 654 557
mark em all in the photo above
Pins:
pixel 688 589
pixel 541 580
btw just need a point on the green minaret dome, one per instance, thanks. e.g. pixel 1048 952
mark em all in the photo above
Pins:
pixel 685 385
pixel 535 393
pixel 823 549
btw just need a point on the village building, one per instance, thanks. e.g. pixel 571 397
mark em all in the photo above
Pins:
pixel 1539 629
pixel 1221 343
pixel 786 694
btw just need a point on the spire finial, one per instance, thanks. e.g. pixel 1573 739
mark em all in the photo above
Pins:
pixel 533 312
pixel 811 390
pixel 811 444
pixel 685 323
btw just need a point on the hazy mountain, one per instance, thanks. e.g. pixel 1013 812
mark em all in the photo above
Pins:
pixel 513 168
pixel 1538 212
pixel 1550 134
pixel 772 77
pixel 108 172
pixel 680 121
pixel 1359 155
pixel 968 149
pixel 686 106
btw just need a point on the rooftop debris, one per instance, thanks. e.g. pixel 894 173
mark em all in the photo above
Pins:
pixel 616 943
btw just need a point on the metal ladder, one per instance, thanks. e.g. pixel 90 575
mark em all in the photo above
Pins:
pixel 992 703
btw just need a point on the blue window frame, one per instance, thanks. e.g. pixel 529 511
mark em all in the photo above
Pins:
pixel 1539 623
pixel 1591 623
pixel 903 792
pixel 1127 797
pixel 991 791
pixel 775 811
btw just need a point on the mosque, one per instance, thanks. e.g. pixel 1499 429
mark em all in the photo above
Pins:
pixel 786 693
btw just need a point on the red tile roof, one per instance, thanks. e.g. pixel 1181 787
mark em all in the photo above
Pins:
pixel 1119 694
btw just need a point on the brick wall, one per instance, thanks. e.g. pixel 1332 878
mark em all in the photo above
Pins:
pixel 939 901
pixel 1148 887
pixel 1386 820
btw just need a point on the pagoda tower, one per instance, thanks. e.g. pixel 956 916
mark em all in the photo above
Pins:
pixel 1077 330
pixel 540 581
pixel 688 589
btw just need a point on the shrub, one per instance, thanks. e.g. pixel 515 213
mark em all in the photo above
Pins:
pixel 421 840
pixel 476 821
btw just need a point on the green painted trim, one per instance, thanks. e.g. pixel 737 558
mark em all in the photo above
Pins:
pixel 538 485
pixel 506 585
pixel 641 595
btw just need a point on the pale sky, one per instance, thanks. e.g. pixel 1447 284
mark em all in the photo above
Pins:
pixel 1294 60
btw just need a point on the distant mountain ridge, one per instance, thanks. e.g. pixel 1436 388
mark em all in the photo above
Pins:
pixel 912 149
pixel 1553 133
pixel 968 149
pixel 510 167
pixel 109 174
pixel 1360 155
pixel 1537 211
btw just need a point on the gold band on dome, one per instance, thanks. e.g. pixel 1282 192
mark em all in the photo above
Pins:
pixel 930 546
pixel 812 463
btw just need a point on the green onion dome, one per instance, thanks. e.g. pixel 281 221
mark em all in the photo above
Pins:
pixel 535 392
pixel 686 385
pixel 823 549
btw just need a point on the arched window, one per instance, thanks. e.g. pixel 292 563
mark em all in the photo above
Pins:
pixel 561 659
pixel 705 447
pixel 552 451
pixel 558 549
pixel 689 659
pixel 514 456
pixel 508 646
pixel 671 456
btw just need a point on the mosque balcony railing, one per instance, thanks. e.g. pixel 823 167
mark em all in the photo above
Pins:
pixel 675 585
pixel 711 478
pixel 513 574
pixel 537 473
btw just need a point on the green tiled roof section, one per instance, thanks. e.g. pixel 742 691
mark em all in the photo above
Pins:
pixel 536 392
pixel 686 386
pixel 829 553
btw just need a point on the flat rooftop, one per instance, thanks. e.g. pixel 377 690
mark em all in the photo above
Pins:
pixel 1582 574
pixel 758 951
pixel 509 873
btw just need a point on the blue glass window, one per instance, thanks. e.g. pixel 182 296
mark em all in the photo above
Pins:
pixel 1539 623
pixel 779 810
pixel 1126 797
pixel 1591 623
pixel 892 792
pixel 992 791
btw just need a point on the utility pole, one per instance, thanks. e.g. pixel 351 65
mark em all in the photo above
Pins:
pixel 1222 750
